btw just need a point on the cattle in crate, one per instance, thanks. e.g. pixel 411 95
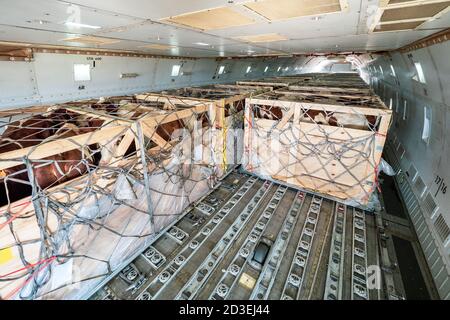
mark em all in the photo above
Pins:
pixel 103 179
pixel 324 145
pixel 227 103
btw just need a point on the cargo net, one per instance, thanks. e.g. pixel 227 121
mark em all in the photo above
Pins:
pixel 330 149
pixel 84 185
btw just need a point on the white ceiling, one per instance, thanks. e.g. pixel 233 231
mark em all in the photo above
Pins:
pixel 137 23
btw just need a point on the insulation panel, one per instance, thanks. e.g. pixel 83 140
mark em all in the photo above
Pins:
pixel 414 12
pixel 217 18
pixel 391 2
pixel 398 26
pixel 91 40
pixel 286 9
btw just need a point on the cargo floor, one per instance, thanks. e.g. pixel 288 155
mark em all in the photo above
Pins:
pixel 255 239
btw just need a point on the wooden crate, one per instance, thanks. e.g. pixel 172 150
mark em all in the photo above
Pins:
pixel 286 139
pixel 345 83
pixel 158 200
pixel 275 82
pixel 313 81
pixel 229 102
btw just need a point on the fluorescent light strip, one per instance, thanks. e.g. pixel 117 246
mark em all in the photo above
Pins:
pixel 81 25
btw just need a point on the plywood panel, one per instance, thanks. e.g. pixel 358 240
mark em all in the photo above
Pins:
pixel 414 12
pixel 398 26
pixel 91 40
pixel 295 152
pixel 399 1
pixel 286 9
pixel 217 18
pixel 337 161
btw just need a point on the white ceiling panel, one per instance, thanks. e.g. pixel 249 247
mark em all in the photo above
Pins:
pixel 159 33
pixel 11 34
pixel 54 15
pixel 372 42
pixel 156 9
pixel 134 24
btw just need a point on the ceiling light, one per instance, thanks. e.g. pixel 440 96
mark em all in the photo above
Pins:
pixel 80 25
pixel 201 44
pixel 39 21
pixel 267 37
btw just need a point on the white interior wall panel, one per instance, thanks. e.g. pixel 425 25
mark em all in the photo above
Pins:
pixel 17 84
pixel 431 159
pixel 443 69
pixel 55 76
pixel 49 78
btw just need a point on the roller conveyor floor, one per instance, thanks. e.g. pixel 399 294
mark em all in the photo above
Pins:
pixel 255 239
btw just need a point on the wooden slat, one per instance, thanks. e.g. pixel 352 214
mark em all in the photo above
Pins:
pixel 59 146
pixel 319 130
pixel 12 112
pixel 188 101
pixel 286 118
pixel 321 107
pixel 165 118
pixel 151 134
pixel 98 115
pixel 330 88
pixel 334 94
pixel 123 146
pixel 262 83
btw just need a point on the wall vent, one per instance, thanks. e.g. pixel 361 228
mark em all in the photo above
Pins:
pixel 442 228
pixel 429 205
pixel 419 186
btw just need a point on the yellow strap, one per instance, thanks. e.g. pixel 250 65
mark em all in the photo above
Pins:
pixel 6 255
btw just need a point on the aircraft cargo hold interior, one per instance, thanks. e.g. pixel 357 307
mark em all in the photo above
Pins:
pixel 224 150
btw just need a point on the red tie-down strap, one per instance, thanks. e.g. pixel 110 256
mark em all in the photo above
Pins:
pixel 43 262
pixel 15 215
pixel 381 134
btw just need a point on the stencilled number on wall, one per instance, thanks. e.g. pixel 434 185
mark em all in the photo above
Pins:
pixel 74 13
pixel 442 186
